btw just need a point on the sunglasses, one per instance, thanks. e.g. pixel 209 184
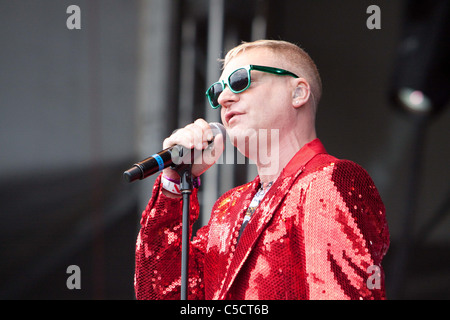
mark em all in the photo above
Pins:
pixel 238 81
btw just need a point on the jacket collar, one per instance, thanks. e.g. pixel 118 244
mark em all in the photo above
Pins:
pixel 303 156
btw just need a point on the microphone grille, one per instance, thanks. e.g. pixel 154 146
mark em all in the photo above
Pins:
pixel 217 128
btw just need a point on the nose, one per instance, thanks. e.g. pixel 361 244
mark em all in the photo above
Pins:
pixel 227 97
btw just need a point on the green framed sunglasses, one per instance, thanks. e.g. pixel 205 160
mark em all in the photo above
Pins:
pixel 239 80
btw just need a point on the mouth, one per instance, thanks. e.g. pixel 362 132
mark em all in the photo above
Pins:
pixel 230 115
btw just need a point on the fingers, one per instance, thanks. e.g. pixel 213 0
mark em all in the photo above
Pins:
pixel 195 135
pixel 213 151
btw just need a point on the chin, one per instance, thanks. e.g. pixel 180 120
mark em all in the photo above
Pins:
pixel 243 138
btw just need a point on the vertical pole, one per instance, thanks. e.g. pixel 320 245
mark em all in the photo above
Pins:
pixel 153 81
pixel 186 191
pixel 210 178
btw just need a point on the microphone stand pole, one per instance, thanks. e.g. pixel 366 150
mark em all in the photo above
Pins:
pixel 186 190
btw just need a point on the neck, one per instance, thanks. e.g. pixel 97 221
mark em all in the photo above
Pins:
pixel 271 163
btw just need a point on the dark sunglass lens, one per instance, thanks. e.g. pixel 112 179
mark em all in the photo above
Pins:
pixel 239 80
pixel 214 92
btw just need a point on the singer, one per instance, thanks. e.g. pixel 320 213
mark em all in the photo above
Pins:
pixel 309 226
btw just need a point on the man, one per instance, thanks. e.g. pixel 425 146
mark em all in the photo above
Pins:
pixel 309 226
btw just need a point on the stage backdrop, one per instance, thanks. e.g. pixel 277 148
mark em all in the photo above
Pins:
pixel 87 88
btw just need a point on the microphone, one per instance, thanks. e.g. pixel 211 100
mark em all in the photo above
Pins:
pixel 172 156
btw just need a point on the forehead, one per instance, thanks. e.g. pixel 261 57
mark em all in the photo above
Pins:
pixel 257 56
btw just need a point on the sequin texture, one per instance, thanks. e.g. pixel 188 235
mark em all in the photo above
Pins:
pixel 314 235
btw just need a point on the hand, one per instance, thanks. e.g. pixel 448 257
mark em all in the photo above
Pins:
pixel 196 136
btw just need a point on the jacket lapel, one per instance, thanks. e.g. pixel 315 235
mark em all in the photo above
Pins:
pixel 266 209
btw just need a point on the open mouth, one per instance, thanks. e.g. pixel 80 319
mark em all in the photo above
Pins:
pixel 230 115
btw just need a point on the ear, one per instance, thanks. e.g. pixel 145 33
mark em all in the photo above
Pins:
pixel 301 93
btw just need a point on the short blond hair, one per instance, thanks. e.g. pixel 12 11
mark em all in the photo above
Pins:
pixel 294 56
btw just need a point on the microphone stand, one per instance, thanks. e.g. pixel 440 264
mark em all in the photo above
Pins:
pixel 186 190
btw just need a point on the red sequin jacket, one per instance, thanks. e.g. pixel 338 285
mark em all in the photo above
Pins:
pixel 319 233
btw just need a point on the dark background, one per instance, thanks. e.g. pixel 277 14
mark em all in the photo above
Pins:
pixel 78 107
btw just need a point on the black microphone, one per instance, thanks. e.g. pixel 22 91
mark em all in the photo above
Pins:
pixel 172 156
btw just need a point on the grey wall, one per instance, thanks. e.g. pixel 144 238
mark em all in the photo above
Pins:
pixel 67 96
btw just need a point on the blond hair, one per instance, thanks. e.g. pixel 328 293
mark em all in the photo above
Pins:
pixel 292 55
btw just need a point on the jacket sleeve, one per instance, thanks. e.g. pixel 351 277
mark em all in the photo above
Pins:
pixel 346 234
pixel 158 249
